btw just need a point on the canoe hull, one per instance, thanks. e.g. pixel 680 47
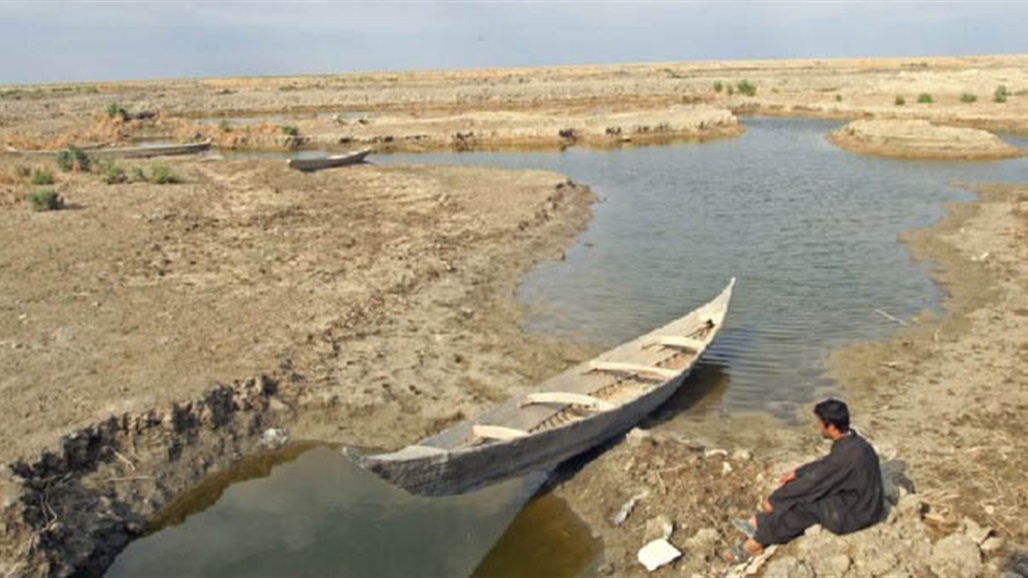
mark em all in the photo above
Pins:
pixel 464 470
pixel 310 165
pixel 542 436
pixel 123 153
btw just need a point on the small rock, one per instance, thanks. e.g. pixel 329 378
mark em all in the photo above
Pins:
pixel 274 438
pixel 788 567
pixel 742 455
pixel 955 555
pixel 726 468
pixel 275 404
pixel 976 533
pixel 834 565
pixel 659 528
pixel 636 436
pixel 702 543
pixel 993 544
pixel 714 452
pixel 910 506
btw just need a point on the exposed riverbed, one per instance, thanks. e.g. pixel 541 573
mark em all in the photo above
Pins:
pixel 810 231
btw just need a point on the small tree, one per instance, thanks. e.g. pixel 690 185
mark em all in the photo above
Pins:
pixel 838 98
pixel 113 174
pixel 1001 94
pixel 41 177
pixel 900 101
pixel 924 98
pixel 718 87
pixel 47 200
pixel 73 159
pixel 114 109
pixel 162 175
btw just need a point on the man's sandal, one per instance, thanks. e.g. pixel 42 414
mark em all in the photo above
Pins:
pixel 745 527
pixel 737 554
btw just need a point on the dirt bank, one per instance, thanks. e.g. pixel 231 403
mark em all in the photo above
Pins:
pixel 354 297
pixel 920 139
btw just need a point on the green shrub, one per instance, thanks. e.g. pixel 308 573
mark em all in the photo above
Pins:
pixel 138 175
pixel 744 87
pixel 718 87
pixel 23 171
pixel 924 98
pixel 1001 94
pixel 162 175
pixel 968 97
pixel 73 159
pixel 113 174
pixel 838 98
pixel 47 200
pixel 225 125
pixel 41 177
pixel 900 101
pixel 729 90
pixel 290 130
pixel 114 109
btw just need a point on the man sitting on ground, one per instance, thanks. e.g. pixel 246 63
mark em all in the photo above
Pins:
pixel 841 491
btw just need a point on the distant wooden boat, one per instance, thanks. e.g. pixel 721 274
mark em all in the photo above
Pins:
pixel 308 165
pixel 567 415
pixel 124 153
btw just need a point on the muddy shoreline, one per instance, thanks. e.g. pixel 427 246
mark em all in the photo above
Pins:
pixel 330 319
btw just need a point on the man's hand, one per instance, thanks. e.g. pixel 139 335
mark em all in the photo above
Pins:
pixel 787 477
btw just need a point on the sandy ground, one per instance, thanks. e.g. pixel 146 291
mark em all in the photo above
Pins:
pixel 152 333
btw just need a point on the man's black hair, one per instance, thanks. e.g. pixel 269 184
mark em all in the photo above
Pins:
pixel 833 412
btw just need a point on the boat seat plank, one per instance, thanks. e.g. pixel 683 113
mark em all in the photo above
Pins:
pixel 497 432
pixel 686 343
pixel 660 372
pixel 567 398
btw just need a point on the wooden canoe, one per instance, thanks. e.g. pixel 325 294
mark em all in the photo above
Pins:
pixel 124 153
pixel 565 416
pixel 309 165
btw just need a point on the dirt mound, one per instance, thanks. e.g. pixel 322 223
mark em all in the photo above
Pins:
pixel 920 139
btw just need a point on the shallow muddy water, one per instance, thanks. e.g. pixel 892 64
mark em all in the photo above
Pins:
pixel 808 230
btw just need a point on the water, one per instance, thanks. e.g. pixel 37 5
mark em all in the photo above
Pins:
pixel 320 515
pixel 810 232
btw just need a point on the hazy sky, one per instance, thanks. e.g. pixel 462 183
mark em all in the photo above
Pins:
pixel 79 40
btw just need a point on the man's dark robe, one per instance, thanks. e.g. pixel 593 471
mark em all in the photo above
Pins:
pixel 841 491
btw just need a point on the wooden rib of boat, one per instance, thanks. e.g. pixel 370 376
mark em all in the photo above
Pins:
pixel 565 416
pixel 309 165
pixel 124 153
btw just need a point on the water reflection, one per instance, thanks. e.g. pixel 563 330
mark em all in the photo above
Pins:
pixel 320 515
pixel 545 539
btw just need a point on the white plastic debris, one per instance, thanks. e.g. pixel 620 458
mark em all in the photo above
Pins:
pixel 658 553
pixel 627 508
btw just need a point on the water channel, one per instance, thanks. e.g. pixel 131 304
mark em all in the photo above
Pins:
pixel 808 230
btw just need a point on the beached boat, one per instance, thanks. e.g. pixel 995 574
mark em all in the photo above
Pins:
pixel 308 165
pixel 565 416
pixel 139 152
